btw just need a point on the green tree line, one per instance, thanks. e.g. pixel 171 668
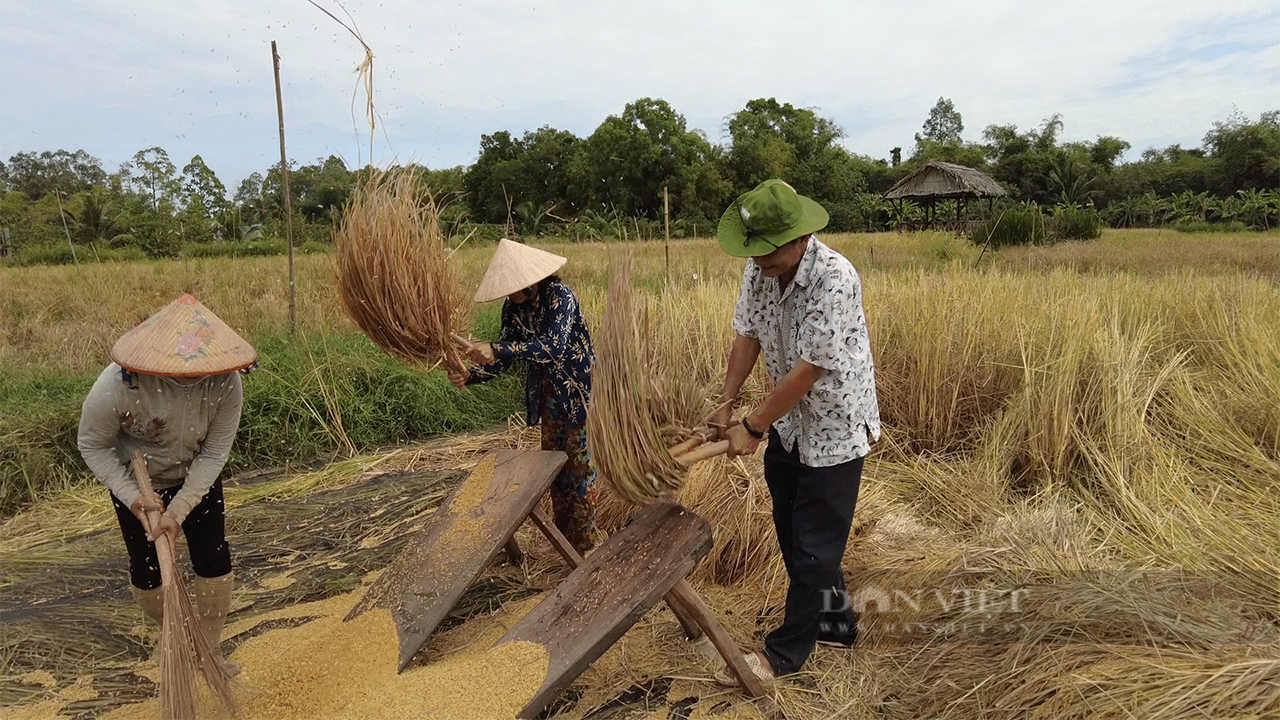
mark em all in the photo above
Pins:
pixel 612 183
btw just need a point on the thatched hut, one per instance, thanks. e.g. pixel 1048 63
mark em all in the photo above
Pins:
pixel 936 181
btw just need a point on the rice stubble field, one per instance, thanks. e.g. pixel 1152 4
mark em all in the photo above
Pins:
pixel 1073 512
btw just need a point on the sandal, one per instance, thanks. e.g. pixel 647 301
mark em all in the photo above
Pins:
pixel 759 665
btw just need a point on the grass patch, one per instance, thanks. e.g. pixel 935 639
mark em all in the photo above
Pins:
pixel 1018 225
pixel 1076 223
pixel 311 396
pixel 341 393
pixel 38 421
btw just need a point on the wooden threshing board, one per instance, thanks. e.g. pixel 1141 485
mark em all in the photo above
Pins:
pixel 429 576
pixel 695 618
pixel 612 588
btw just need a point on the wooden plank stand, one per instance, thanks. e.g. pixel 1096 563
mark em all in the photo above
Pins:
pixel 612 589
pixel 589 610
pixel 473 524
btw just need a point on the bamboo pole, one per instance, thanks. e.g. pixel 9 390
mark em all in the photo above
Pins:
pixel 62 214
pixel 288 202
pixel 666 229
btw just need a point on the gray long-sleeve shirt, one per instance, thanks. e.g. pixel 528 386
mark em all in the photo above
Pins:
pixel 185 432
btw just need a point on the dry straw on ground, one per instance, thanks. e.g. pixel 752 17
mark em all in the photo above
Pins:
pixel 637 411
pixel 394 273
pixel 1110 631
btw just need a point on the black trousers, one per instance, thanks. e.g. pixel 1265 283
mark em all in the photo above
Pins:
pixel 205 529
pixel 812 514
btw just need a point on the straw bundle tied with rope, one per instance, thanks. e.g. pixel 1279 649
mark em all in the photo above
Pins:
pixel 640 419
pixel 183 644
pixel 394 274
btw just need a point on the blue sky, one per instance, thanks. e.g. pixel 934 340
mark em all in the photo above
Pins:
pixel 195 78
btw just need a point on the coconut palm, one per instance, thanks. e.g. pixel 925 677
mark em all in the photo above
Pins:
pixel 99 218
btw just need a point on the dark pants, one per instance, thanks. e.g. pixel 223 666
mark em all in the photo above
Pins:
pixel 573 493
pixel 205 529
pixel 812 514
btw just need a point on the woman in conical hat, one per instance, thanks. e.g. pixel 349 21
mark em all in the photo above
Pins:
pixel 173 392
pixel 543 326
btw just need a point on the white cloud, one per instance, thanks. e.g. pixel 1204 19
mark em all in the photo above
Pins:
pixel 115 78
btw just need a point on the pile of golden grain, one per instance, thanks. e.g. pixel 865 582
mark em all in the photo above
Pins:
pixel 327 668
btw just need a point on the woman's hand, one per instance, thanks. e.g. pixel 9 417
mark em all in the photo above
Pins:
pixel 150 505
pixel 167 527
pixel 146 502
pixel 481 353
pixel 458 378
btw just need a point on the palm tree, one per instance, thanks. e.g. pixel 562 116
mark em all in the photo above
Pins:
pixel 531 217
pixel 98 219
pixel 1071 182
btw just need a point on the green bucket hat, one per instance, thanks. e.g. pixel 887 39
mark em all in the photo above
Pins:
pixel 766 218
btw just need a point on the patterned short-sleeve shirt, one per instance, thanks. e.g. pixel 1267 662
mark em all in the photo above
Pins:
pixel 819 318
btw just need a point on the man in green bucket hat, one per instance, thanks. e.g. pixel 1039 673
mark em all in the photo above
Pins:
pixel 800 306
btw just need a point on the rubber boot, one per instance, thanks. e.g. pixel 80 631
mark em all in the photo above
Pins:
pixel 152 603
pixel 213 600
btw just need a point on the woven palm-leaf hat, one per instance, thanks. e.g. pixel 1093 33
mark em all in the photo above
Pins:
pixel 184 339
pixel 515 267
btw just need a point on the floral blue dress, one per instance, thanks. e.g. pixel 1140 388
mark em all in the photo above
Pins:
pixel 549 334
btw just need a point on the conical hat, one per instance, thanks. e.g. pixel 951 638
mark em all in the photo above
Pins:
pixel 516 267
pixel 185 338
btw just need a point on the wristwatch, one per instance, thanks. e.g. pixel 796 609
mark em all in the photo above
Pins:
pixel 757 434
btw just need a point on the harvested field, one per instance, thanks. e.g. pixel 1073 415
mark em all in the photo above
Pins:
pixel 1025 608
pixel 1072 514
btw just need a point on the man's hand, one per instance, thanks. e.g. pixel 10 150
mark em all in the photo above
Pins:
pixel 741 442
pixel 742 357
pixel 720 420
pixel 481 353
pixel 458 378
pixel 167 526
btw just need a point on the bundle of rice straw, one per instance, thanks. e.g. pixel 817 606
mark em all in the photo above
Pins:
pixel 637 414
pixel 183 644
pixel 394 273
